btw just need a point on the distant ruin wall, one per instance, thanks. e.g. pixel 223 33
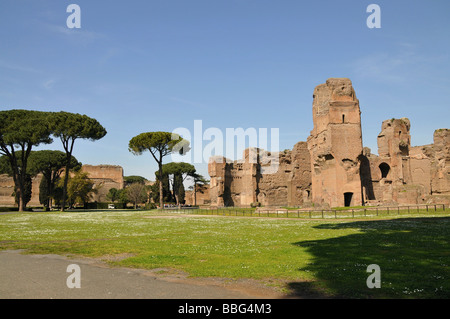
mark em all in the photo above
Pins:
pixel 105 177
pixel 244 182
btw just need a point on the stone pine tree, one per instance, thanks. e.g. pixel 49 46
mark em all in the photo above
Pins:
pixel 159 144
pixel 50 163
pixel 20 130
pixel 177 173
pixel 69 127
pixel 199 184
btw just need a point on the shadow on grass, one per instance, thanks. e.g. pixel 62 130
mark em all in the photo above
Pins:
pixel 412 253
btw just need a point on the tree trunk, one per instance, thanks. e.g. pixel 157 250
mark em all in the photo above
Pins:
pixel 19 199
pixel 195 193
pixel 17 189
pixel 49 191
pixel 160 186
pixel 66 181
pixel 66 177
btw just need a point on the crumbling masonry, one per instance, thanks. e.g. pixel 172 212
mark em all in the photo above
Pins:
pixel 333 169
pixel 104 177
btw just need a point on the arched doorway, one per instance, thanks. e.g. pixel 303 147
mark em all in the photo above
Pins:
pixel 348 199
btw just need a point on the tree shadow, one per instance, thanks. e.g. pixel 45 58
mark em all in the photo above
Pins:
pixel 413 255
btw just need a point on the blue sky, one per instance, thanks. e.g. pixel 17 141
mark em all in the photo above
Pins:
pixel 139 66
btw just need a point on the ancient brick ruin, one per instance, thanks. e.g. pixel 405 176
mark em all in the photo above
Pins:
pixel 333 169
pixel 105 177
pixel 242 183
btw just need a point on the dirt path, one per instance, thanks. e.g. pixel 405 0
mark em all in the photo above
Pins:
pixel 45 277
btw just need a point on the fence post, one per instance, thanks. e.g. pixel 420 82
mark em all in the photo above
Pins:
pixel 427 208
pixel 434 207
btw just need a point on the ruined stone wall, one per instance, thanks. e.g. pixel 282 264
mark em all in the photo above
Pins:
pixel 7 189
pixel 440 171
pixel 257 179
pixel 335 144
pixel 233 183
pixel 333 169
pixel 291 184
pixel 394 143
pixel 420 165
pixel 201 198
pixel 216 171
pixel 105 177
pixel 402 174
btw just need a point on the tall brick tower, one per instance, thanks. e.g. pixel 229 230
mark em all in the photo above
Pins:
pixel 335 145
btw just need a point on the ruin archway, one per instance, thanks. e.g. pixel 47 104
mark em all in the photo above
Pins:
pixel 384 169
pixel 348 199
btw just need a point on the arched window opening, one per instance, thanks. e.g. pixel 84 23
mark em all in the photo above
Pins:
pixel 384 168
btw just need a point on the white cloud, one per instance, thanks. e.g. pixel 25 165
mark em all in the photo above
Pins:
pixel 16 67
pixel 48 84
pixel 80 35
pixel 402 67
pixel 383 67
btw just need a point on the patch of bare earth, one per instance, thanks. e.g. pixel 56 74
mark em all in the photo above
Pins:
pixel 254 288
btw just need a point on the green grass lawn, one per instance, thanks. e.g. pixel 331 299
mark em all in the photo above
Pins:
pixel 312 257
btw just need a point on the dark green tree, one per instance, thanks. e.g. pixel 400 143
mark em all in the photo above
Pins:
pixel 199 185
pixel 51 164
pixel 20 130
pixel 27 191
pixel 113 194
pixel 69 127
pixel 133 179
pixel 80 189
pixel 122 197
pixel 177 173
pixel 159 144
pixel 154 190
pixel 5 168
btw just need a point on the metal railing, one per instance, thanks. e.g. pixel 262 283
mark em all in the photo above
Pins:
pixel 321 213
